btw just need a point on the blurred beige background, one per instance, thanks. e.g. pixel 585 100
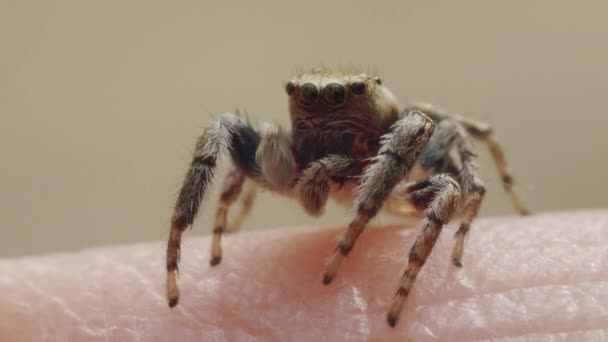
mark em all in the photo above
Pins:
pixel 101 102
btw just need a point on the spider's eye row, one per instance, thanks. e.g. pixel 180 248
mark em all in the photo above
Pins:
pixel 334 93
pixel 290 88
pixel 358 87
pixel 308 94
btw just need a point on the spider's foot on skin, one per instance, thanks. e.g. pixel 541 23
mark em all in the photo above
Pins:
pixel 397 306
pixel 332 267
pixel 518 203
pixel 392 321
pixel 216 252
pixel 215 260
pixel 172 290
pixel 393 314
pixel 457 251
pixel 457 262
pixel 173 302
pixel 522 209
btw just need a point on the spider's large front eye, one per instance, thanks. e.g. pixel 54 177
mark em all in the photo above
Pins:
pixel 334 94
pixel 358 87
pixel 308 94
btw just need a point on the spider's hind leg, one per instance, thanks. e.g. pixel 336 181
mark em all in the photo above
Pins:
pixel 246 203
pixel 266 160
pixel 230 192
pixel 440 195
pixel 436 158
pixel 313 185
pixel 482 132
pixel 473 191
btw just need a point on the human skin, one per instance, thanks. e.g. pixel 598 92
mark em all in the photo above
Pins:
pixel 543 277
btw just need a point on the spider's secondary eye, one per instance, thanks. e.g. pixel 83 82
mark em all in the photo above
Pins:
pixel 358 87
pixel 290 88
pixel 334 93
pixel 308 94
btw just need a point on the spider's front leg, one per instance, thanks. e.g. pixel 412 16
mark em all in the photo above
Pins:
pixel 229 133
pixel 398 152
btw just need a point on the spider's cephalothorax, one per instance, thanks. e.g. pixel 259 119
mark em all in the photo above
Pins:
pixel 338 114
pixel 348 141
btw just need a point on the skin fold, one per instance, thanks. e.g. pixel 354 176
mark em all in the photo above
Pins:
pixel 541 278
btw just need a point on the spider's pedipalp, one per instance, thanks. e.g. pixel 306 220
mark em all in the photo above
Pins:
pixel 313 185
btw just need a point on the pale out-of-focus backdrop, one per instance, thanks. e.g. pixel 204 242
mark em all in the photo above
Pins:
pixel 101 102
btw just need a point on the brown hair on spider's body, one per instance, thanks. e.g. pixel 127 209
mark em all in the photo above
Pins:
pixel 348 141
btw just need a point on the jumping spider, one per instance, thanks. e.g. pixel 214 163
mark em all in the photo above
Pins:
pixel 349 141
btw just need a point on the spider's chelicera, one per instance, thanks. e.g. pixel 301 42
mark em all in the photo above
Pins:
pixel 350 141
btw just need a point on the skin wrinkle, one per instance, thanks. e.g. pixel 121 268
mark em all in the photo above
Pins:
pixel 545 275
pixel 506 296
pixel 141 279
pixel 579 335
pixel 505 289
